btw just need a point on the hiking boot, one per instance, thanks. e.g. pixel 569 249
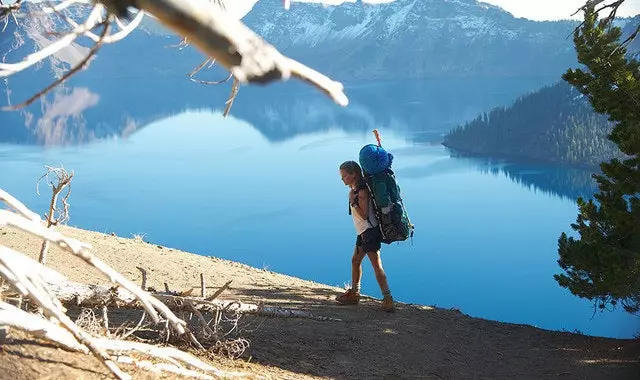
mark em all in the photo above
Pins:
pixel 350 297
pixel 387 304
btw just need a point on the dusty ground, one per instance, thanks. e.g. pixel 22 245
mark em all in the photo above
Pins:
pixel 416 342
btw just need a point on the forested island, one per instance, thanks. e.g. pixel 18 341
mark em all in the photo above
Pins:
pixel 555 124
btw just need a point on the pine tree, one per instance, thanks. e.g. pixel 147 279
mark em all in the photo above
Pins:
pixel 603 263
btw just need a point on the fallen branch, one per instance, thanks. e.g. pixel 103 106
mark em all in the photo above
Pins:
pixel 76 294
pixel 203 286
pixel 36 326
pixel 28 282
pixel 219 291
pixel 81 250
pixel 42 286
pixel 143 286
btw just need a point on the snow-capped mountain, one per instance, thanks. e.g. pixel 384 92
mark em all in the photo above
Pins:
pixel 414 38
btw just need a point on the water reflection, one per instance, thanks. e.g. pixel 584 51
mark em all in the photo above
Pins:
pixel 563 182
pixel 124 91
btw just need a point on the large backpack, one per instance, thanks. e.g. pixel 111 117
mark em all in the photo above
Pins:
pixel 392 216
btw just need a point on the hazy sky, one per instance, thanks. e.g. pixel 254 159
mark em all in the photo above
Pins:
pixel 531 9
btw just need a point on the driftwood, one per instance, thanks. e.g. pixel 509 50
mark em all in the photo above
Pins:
pixel 76 294
pixel 37 284
pixel 38 327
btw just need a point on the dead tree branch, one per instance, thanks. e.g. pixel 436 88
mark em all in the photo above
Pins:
pixel 81 250
pixel 248 57
pixel 105 29
pixel 143 286
pixel 28 282
pixel 607 20
pixel 43 286
pixel 63 180
pixel 203 23
pixel 232 97
pixel 81 295
pixel 219 291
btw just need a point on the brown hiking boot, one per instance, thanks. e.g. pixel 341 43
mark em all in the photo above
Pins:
pixel 387 304
pixel 350 297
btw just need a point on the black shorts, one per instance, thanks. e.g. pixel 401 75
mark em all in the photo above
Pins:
pixel 370 240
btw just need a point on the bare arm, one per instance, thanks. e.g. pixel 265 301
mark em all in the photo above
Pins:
pixel 363 204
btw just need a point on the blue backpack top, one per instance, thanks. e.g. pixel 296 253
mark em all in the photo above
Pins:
pixel 374 159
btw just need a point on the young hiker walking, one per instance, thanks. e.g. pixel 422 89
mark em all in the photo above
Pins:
pixel 368 239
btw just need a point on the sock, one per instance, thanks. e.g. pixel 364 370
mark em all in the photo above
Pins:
pixel 356 287
pixel 386 292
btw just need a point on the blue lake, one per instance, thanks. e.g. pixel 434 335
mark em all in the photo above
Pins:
pixel 486 232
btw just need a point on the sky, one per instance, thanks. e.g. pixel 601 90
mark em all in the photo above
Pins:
pixel 532 9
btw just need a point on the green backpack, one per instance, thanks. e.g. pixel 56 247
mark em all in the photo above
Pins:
pixel 392 216
pixel 384 190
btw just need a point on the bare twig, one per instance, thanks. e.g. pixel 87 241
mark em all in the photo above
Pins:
pixel 219 291
pixel 92 21
pixel 144 278
pixel 200 67
pixel 203 287
pixel 209 61
pixel 232 97
pixel 7 9
pixel 63 181
pixel 209 82
pixel 105 319
pixel 136 327
pixel 67 75
pixel 125 30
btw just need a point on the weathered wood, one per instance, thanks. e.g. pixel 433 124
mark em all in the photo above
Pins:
pixel 19 319
pixel 82 295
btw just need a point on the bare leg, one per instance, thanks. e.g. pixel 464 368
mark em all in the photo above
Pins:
pixel 381 277
pixel 356 268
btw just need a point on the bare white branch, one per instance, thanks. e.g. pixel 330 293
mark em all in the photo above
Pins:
pixel 36 326
pixel 18 206
pixel 81 250
pixel 94 19
pixel 236 47
pixel 118 36
pixel 62 6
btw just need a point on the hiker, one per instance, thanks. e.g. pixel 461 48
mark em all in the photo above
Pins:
pixel 369 237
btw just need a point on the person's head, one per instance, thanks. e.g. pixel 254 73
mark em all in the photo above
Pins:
pixel 350 172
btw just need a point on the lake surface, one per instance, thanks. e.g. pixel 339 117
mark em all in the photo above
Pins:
pixel 262 187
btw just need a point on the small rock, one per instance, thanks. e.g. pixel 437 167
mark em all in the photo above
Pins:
pixel 113 234
pixel 159 246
